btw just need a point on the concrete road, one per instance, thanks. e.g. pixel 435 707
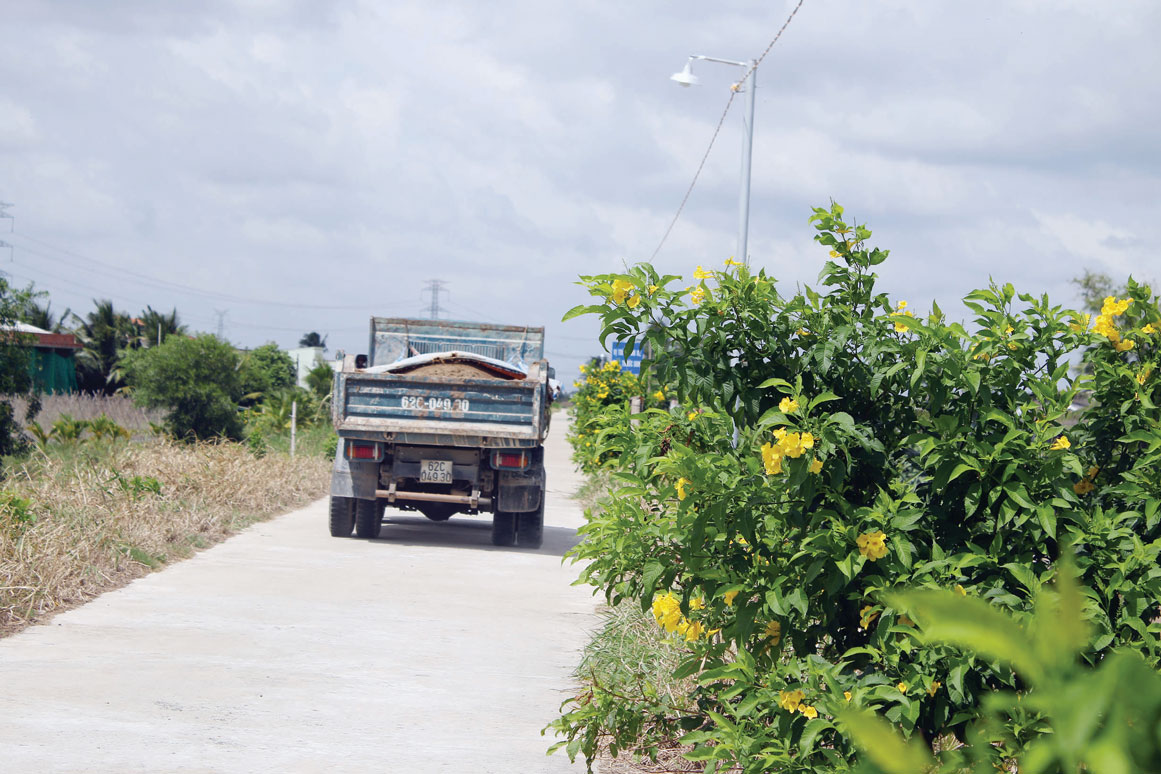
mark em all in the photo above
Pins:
pixel 286 650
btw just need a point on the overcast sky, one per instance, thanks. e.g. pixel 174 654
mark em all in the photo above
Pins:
pixel 301 165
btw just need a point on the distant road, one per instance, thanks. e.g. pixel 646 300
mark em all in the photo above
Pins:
pixel 286 650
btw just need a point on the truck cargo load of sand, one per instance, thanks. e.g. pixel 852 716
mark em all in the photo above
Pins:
pixel 457 371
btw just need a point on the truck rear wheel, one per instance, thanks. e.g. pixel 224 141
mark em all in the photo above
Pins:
pixel 342 516
pixel 503 528
pixel 368 519
pixel 530 527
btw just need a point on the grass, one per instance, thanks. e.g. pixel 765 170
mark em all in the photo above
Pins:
pixel 119 408
pixel 82 518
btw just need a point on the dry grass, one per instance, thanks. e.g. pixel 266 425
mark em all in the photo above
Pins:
pixel 102 513
pixel 118 408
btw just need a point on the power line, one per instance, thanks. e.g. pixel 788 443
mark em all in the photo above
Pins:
pixel 733 93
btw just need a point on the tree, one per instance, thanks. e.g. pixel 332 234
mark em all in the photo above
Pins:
pixel 320 378
pixel 196 380
pixel 15 378
pixel 312 339
pixel 103 333
pixel 30 310
pixel 265 370
pixel 153 327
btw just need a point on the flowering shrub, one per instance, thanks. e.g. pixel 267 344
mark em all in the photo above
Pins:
pixel 601 429
pixel 877 449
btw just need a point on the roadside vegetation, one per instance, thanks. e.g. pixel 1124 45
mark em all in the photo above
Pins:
pixel 175 442
pixel 866 537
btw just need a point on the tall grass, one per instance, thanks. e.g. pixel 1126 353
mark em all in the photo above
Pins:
pixel 121 409
pixel 88 517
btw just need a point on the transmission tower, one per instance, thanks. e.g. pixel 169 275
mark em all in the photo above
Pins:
pixel 11 227
pixel 221 313
pixel 435 287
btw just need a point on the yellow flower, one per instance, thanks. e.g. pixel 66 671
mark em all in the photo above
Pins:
pixel 960 590
pixel 872 545
pixel 700 273
pixel 692 631
pixel 697 603
pixel 691 416
pixel 773 632
pixel 788 405
pixel 847 695
pixel 902 687
pixel 681 482
pixel 1144 375
pixel 667 611
pixel 789 700
pixel 1104 326
pixel 802 332
pixel 901 311
pixel 731 262
pixel 1061 443
pixel 730 596
pixel 816 466
pixel 1122 346
pixel 697 296
pixel 659 395
pixel 1083 487
pixel 584 368
pixel 901 305
pixel 1149 329
pixel 621 290
pixel 935 686
pixel 1080 324
pixel 652 289
pixel 779 433
pixel 634 301
pixel 834 253
pixel 1008 330
pixel 772 458
pixel 807 441
pixel 808 711
pixel 867 616
pixel 1114 308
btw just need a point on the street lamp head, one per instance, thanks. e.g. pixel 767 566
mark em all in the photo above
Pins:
pixel 686 77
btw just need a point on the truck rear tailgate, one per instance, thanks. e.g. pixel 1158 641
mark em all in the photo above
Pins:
pixel 417 409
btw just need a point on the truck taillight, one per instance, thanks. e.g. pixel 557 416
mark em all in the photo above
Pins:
pixel 364 450
pixel 510 460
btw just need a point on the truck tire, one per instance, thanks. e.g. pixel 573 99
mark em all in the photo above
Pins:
pixel 503 528
pixel 530 527
pixel 342 516
pixel 368 519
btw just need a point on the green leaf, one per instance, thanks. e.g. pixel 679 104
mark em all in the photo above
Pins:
pixel 577 311
pixel 883 745
pixel 971 623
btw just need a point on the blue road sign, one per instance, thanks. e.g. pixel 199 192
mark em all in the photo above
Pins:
pixel 632 364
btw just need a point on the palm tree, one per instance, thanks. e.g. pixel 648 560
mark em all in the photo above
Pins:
pixel 155 327
pixel 103 333
pixel 312 339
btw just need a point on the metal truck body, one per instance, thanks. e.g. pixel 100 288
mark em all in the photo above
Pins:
pixel 442 417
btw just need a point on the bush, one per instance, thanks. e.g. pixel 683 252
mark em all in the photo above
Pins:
pixel 195 380
pixel 265 369
pixel 876 450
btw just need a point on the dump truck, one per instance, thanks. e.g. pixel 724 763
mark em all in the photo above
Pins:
pixel 443 417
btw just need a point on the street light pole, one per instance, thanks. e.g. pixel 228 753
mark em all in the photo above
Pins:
pixel 687 78
pixel 747 154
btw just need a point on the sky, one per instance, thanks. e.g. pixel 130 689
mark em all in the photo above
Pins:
pixel 272 167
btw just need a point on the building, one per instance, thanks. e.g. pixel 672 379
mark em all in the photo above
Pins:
pixel 305 359
pixel 53 365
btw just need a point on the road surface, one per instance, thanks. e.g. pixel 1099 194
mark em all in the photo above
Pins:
pixel 286 650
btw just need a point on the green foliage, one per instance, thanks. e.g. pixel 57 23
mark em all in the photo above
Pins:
pixel 265 369
pixel 195 380
pixel 257 445
pixel 15 379
pixel 320 379
pixel 104 333
pixel 16 513
pixel 313 339
pixel 1105 719
pixel 878 449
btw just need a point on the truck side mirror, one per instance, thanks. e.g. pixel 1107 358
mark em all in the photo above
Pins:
pixel 551 372
pixel 360 361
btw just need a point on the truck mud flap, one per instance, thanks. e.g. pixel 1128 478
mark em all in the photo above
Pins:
pixel 352 478
pixel 520 491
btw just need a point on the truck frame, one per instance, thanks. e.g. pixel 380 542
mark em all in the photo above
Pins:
pixel 442 417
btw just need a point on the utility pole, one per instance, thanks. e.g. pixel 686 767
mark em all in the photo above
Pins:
pixel 435 287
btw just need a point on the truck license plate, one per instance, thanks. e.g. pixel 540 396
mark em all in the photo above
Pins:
pixel 435 471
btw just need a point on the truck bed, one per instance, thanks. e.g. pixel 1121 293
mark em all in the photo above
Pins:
pixel 436 411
